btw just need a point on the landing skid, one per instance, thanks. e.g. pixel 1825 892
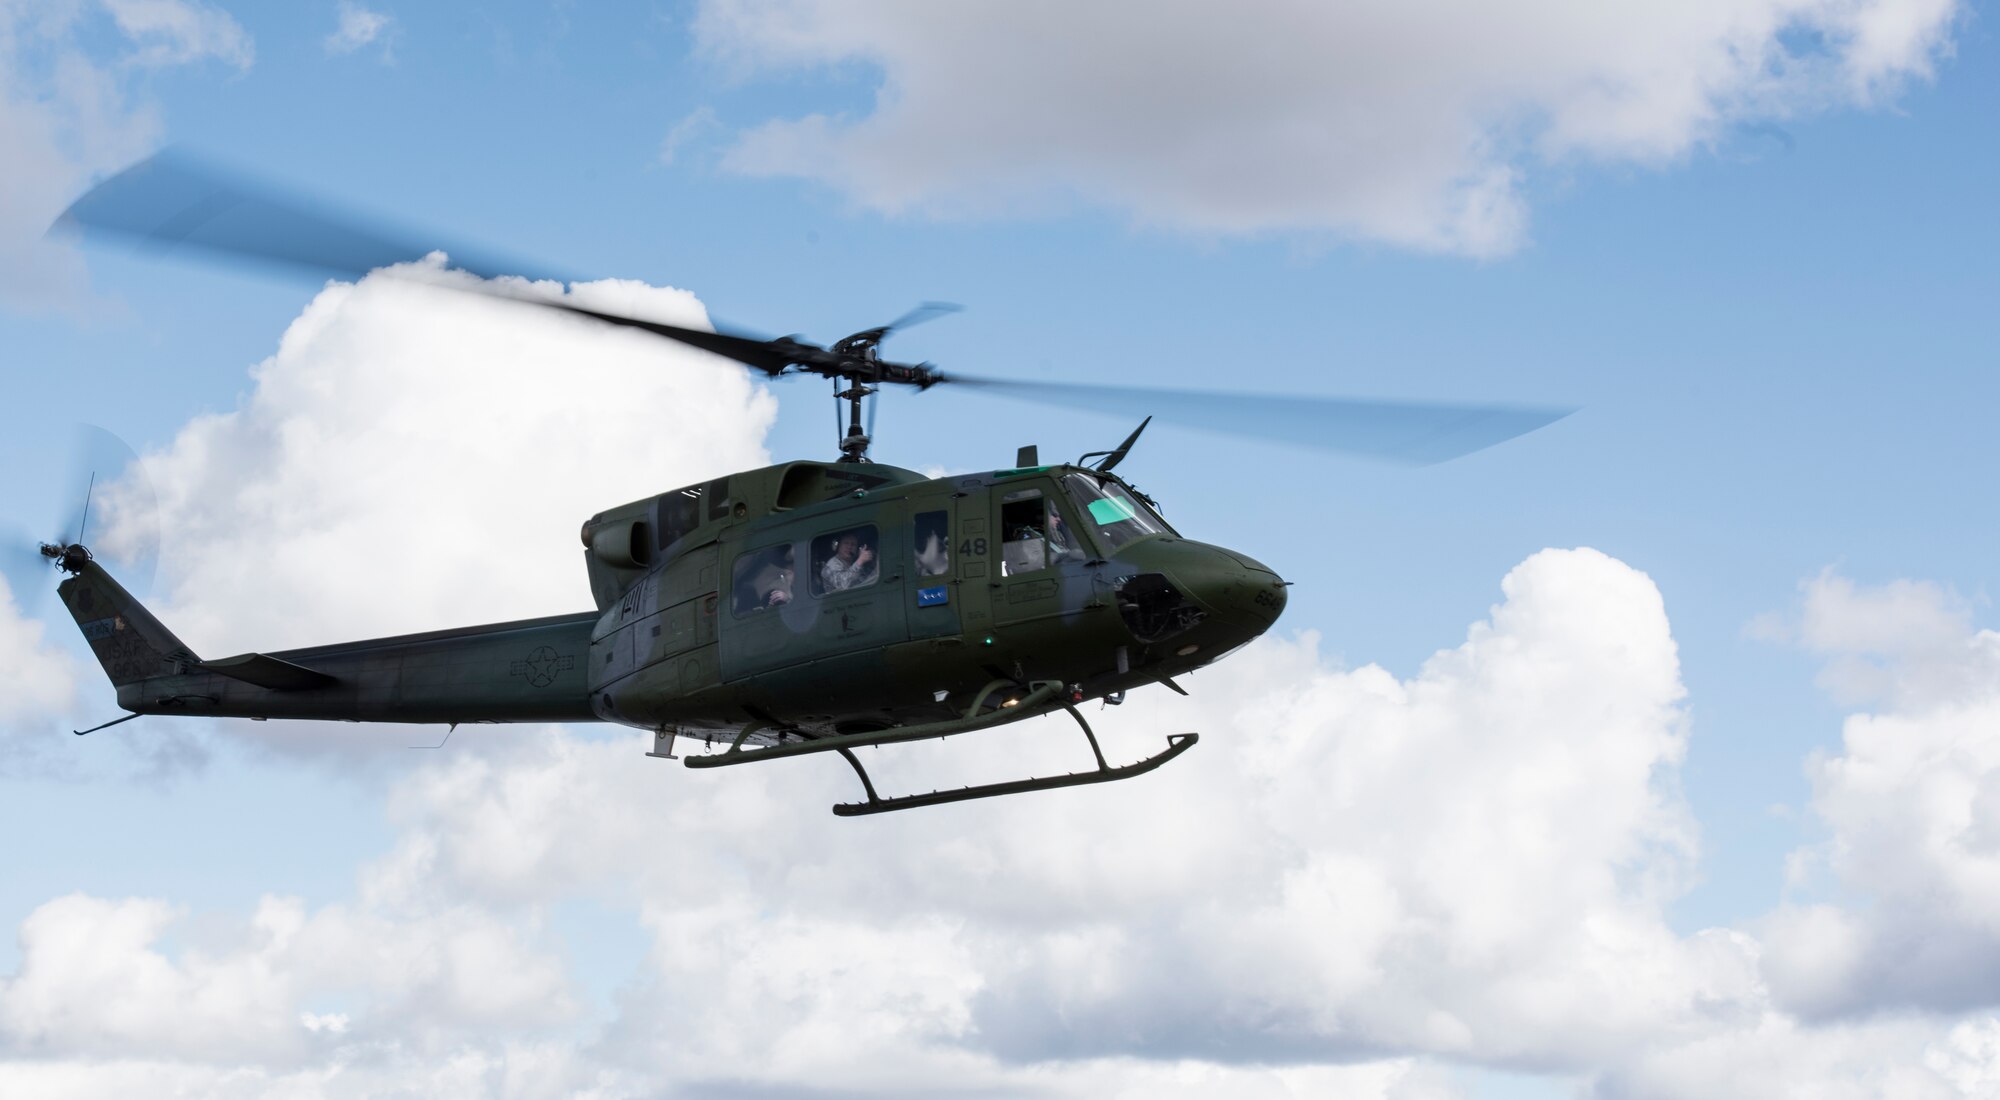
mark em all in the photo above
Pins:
pixel 1038 699
pixel 1177 743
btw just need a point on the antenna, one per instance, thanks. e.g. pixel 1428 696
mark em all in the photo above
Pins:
pixel 84 524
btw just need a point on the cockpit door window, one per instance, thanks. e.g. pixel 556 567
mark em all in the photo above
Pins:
pixel 1116 516
pixel 1033 534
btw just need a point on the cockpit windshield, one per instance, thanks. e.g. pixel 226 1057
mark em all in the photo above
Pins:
pixel 1118 517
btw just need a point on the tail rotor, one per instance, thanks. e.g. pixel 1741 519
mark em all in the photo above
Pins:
pixel 109 485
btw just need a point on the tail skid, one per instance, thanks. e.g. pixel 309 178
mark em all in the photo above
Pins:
pixel 108 725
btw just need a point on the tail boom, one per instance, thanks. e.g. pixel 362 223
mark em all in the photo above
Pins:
pixel 533 670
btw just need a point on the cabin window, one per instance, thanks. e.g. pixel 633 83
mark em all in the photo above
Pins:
pixel 1033 534
pixel 680 512
pixel 718 498
pixel 933 544
pixel 1118 517
pixel 763 579
pixel 845 559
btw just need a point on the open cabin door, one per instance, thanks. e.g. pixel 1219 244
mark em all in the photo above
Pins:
pixel 1037 554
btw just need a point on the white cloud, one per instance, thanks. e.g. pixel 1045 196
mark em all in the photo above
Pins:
pixel 1470 864
pixel 1363 878
pixel 1415 124
pixel 1889 42
pixel 95 980
pixel 36 680
pixel 1353 883
pixel 66 115
pixel 513 1071
pixel 1912 806
pixel 176 32
pixel 357 28
pixel 1898 1058
pixel 37 686
pixel 1906 643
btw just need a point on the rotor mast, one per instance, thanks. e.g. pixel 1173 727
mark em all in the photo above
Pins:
pixel 861 366
pixel 854 445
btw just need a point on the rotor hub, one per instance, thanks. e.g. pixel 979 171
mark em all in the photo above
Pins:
pixel 69 558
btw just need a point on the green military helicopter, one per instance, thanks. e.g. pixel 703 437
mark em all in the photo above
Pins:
pixel 806 607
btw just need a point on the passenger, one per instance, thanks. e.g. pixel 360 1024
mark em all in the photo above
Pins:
pixel 851 566
pixel 773 582
pixel 934 557
pixel 781 582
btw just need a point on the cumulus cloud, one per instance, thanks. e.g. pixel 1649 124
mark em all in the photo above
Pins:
pixel 1905 643
pixel 1911 804
pixel 66 114
pixel 96 982
pixel 1471 863
pixel 37 685
pixel 514 1071
pixel 1904 1058
pixel 358 27
pixel 1353 884
pixel 36 679
pixel 1414 124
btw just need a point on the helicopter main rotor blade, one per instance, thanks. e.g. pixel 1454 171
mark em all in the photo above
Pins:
pixel 924 311
pixel 1415 433
pixel 773 357
pixel 173 200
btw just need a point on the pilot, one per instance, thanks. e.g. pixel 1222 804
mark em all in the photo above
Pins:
pixel 1061 546
pixel 851 566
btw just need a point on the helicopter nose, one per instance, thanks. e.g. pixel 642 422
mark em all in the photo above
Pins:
pixel 1197 582
pixel 1242 590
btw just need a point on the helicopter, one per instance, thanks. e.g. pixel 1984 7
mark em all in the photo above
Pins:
pixel 803 608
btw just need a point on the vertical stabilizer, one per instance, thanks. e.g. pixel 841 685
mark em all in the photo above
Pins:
pixel 129 642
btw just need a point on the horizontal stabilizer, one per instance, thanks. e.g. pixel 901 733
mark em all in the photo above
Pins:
pixel 267 672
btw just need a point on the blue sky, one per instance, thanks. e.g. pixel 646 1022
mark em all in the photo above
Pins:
pixel 1773 308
